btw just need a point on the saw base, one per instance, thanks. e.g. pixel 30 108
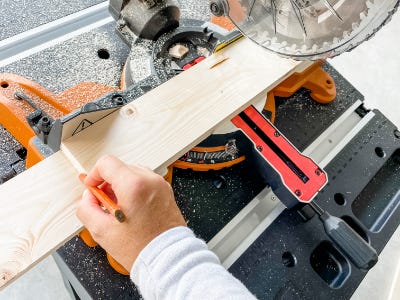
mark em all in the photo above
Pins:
pixel 291 253
pixel 292 258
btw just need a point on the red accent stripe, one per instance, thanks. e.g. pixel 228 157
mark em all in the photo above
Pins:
pixel 305 164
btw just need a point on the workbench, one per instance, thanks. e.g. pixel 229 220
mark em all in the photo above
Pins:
pixel 292 257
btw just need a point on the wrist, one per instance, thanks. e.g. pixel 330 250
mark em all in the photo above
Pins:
pixel 153 249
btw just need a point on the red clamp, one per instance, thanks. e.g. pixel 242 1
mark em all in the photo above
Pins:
pixel 288 171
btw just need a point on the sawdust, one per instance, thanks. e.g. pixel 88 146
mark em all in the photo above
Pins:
pixel 140 60
pixel 28 14
pixel 76 60
pixel 195 10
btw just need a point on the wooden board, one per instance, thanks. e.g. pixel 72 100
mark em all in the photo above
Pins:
pixel 165 123
pixel 38 206
pixel 37 214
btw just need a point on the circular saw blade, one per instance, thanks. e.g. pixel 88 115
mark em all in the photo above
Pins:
pixel 310 29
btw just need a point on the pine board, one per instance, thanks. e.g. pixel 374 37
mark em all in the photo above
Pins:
pixel 38 206
pixel 168 121
pixel 37 214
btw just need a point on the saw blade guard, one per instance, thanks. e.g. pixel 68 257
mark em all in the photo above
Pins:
pixel 309 29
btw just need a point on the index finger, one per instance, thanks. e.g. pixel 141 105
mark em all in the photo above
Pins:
pixel 107 169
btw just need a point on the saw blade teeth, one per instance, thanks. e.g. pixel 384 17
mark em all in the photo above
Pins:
pixel 314 48
pixel 346 34
pixel 355 26
pixel 300 27
pixel 325 45
pixel 252 34
pixel 266 43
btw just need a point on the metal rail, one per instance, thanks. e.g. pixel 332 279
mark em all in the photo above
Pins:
pixel 45 36
pixel 237 236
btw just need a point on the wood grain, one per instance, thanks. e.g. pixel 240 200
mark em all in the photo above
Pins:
pixel 165 123
pixel 37 214
pixel 38 206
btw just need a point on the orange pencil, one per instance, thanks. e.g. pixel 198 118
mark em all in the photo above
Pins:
pixel 109 204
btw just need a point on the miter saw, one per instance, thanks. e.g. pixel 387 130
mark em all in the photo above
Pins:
pixel 163 45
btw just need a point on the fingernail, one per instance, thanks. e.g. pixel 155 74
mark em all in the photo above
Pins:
pixel 85 194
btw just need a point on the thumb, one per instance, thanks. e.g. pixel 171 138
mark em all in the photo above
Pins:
pixel 91 214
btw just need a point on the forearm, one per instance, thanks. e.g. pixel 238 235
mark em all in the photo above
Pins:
pixel 177 265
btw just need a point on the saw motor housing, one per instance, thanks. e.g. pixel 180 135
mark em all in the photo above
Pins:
pixel 144 19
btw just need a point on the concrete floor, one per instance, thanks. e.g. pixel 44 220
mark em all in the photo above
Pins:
pixel 374 69
pixel 43 282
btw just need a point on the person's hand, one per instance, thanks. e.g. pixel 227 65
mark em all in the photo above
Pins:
pixel 146 199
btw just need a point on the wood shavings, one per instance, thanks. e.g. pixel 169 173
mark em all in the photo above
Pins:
pixel 178 51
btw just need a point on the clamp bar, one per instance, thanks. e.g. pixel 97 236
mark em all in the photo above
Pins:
pixel 299 174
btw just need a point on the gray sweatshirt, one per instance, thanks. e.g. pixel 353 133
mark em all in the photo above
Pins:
pixel 177 265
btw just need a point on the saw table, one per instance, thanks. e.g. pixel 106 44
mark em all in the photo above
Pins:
pixel 291 252
pixel 275 252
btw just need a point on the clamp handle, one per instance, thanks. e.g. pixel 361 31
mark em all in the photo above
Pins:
pixel 350 242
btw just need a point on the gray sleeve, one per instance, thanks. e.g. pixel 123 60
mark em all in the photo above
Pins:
pixel 177 265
